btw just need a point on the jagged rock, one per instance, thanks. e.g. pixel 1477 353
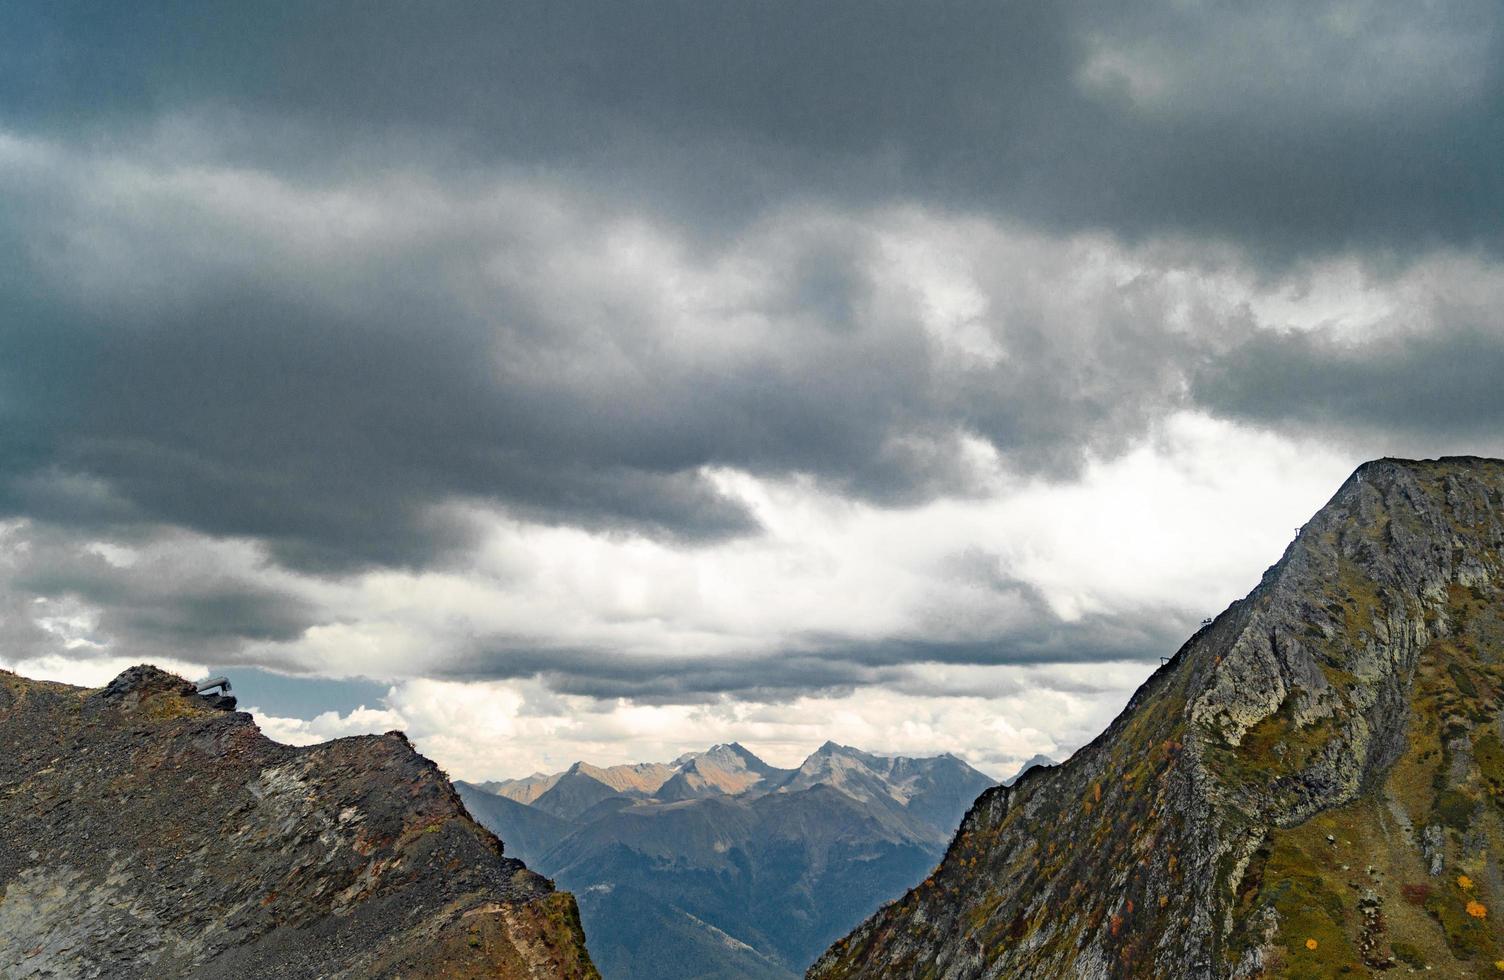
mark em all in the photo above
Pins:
pixel 146 831
pixel 1433 848
pixel 1354 695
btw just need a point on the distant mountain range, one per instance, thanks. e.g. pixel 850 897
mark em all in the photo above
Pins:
pixel 719 865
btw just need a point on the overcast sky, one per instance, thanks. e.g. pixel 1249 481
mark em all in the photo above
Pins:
pixel 565 380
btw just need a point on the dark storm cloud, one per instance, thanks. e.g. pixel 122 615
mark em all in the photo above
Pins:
pixel 324 410
pixel 831 664
pixel 1437 388
pixel 241 410
pixel 1292 125
pixel 231 352
pixel 163 602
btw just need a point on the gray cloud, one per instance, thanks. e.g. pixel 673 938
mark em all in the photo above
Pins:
pixel 189 354
pixel 1425 390
pixel 241 410
pixel 325 407
pixel 1292 126
pixel 818 664
pixel 164 601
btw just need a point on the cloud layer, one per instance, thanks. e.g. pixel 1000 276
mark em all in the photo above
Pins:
pixel 1304 126
pixel 679 360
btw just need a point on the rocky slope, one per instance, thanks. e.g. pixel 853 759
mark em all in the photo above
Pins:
pixel 1312 787
pixel 147 831
pixel 730 867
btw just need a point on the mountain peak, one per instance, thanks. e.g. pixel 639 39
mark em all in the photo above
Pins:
pixel 835 750
pixel 1034 762
pixel 1302 784
pixel 203 848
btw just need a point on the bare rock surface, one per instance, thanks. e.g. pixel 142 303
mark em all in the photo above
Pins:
pixel 148 831
pixel 1312 787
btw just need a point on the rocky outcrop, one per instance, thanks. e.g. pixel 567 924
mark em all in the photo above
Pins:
pixel 148 831
pixel 1313 786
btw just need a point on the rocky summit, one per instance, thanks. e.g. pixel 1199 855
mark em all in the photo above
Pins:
pixel 149 831
pixel 1313 786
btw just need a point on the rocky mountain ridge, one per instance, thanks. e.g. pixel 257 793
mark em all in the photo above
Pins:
pixel 1312 786
pixel 147 831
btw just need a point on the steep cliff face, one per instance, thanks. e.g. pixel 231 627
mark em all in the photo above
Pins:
pixel 146 831
pixel 1313 786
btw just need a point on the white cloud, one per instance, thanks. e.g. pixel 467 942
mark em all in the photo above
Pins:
pixel 327 725
pixel 1186 522
pixel 479 731
pixel 94 671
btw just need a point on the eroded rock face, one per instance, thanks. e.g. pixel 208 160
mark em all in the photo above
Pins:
pixel 146 831
pixel 1314 785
